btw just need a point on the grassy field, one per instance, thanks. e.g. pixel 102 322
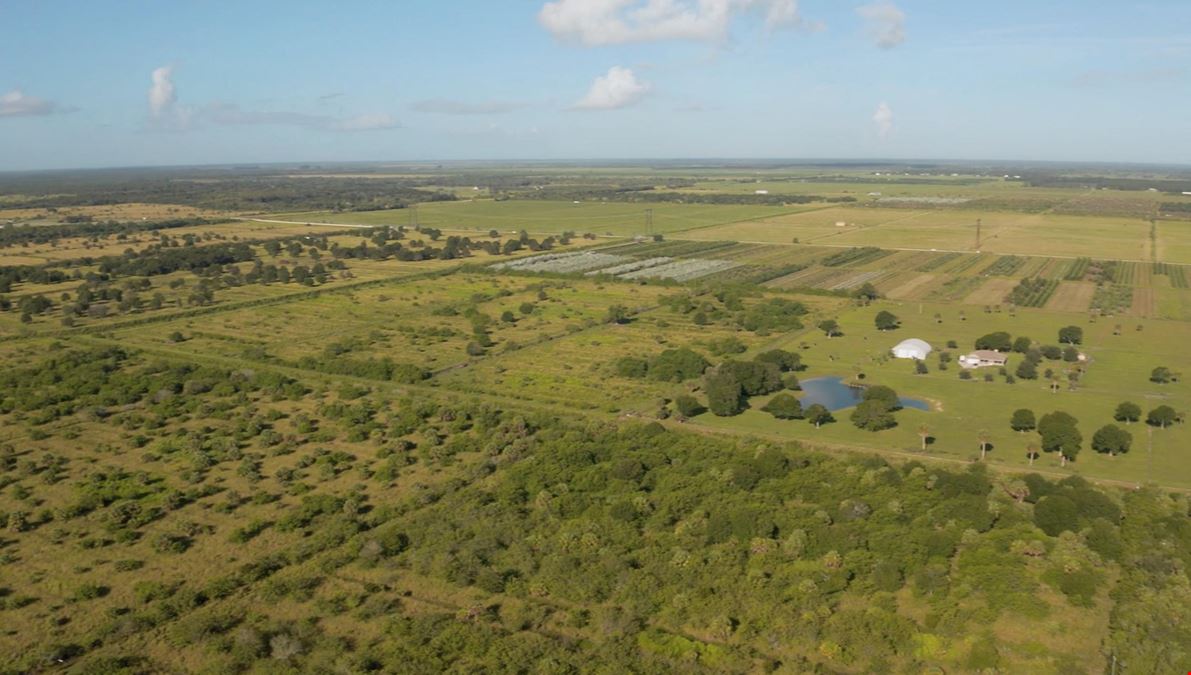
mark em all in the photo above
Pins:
pixel 1118 371
pixel 1001 232
pixel 543 217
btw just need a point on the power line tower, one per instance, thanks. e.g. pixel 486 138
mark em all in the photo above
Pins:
pixel 977 235
pixel 649 222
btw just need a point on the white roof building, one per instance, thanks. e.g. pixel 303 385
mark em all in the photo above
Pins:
pixel 912 349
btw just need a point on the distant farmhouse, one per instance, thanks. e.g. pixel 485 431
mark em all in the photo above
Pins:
pixel 983 358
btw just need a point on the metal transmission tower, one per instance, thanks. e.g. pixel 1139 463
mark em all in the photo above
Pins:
pixel 649 222
pixel 977 235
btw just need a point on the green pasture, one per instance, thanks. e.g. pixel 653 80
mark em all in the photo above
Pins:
pixel 948 229
pixel 1119 370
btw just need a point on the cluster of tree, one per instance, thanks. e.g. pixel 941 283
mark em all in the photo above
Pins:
pixel 672 365
pixel 11 275
pixel 727 304
pixel 156 261
pixel 876 408
pixel 729 384
pixel 43 234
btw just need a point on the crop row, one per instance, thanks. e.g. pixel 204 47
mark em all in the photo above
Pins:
pixel 1125 273
pixel 854 256
pixel 856 280
pixel 1176 274
pixel 968 263
pixel 937 261
pixel 1006 265
pixel 631 266
pixel 1032 292
pixel 682 270
pixel 564 263
pixel 1077 269
pixel 1112 298
pixel 673 249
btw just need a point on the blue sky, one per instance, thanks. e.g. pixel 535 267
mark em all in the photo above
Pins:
pixel 100 83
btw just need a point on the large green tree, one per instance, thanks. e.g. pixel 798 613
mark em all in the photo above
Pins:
pixel 1023 420
pixel 784 407
pixel 1127 412
pixel 1060 434
pixel 1111 439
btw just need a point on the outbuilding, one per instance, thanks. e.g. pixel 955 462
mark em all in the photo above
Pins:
pixel 982 358
pixel 912 348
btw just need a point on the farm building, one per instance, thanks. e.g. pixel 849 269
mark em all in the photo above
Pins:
pixel 982 358
pixel 912 348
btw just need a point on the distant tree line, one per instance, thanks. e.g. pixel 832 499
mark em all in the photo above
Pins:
pixel 43 234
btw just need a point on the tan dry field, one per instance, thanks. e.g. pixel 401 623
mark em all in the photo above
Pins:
pixel 1143 303
pixel 910 290
pixel 991 292
pixel 1072 296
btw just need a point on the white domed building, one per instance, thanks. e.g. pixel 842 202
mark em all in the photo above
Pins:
pixel 912 349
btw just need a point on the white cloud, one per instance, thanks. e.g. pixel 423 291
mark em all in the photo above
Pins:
pixel 166 113
pixel 609 22
pixel 617 89
pixel 162 95
pixel 883 118
pixel 442 106
pixel 17 103
pixel 886 23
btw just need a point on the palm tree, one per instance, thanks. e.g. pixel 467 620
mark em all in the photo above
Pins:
pixel 984 439
pixel 923 433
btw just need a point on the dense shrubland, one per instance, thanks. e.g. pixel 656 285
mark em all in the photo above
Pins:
pixel 517 539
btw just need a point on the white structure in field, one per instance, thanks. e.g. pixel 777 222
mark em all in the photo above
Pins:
pixel 983 358
pixel 760 192
pixel 912 349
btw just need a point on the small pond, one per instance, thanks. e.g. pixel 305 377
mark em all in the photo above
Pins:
pixel 833 394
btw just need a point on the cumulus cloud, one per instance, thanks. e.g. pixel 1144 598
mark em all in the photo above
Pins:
pixel 608 22
pixel 166 113
pixel 442 106
pixel 162 95
pixel 617 89
pixel 883 118
pixel 17 103
pixel 886 23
